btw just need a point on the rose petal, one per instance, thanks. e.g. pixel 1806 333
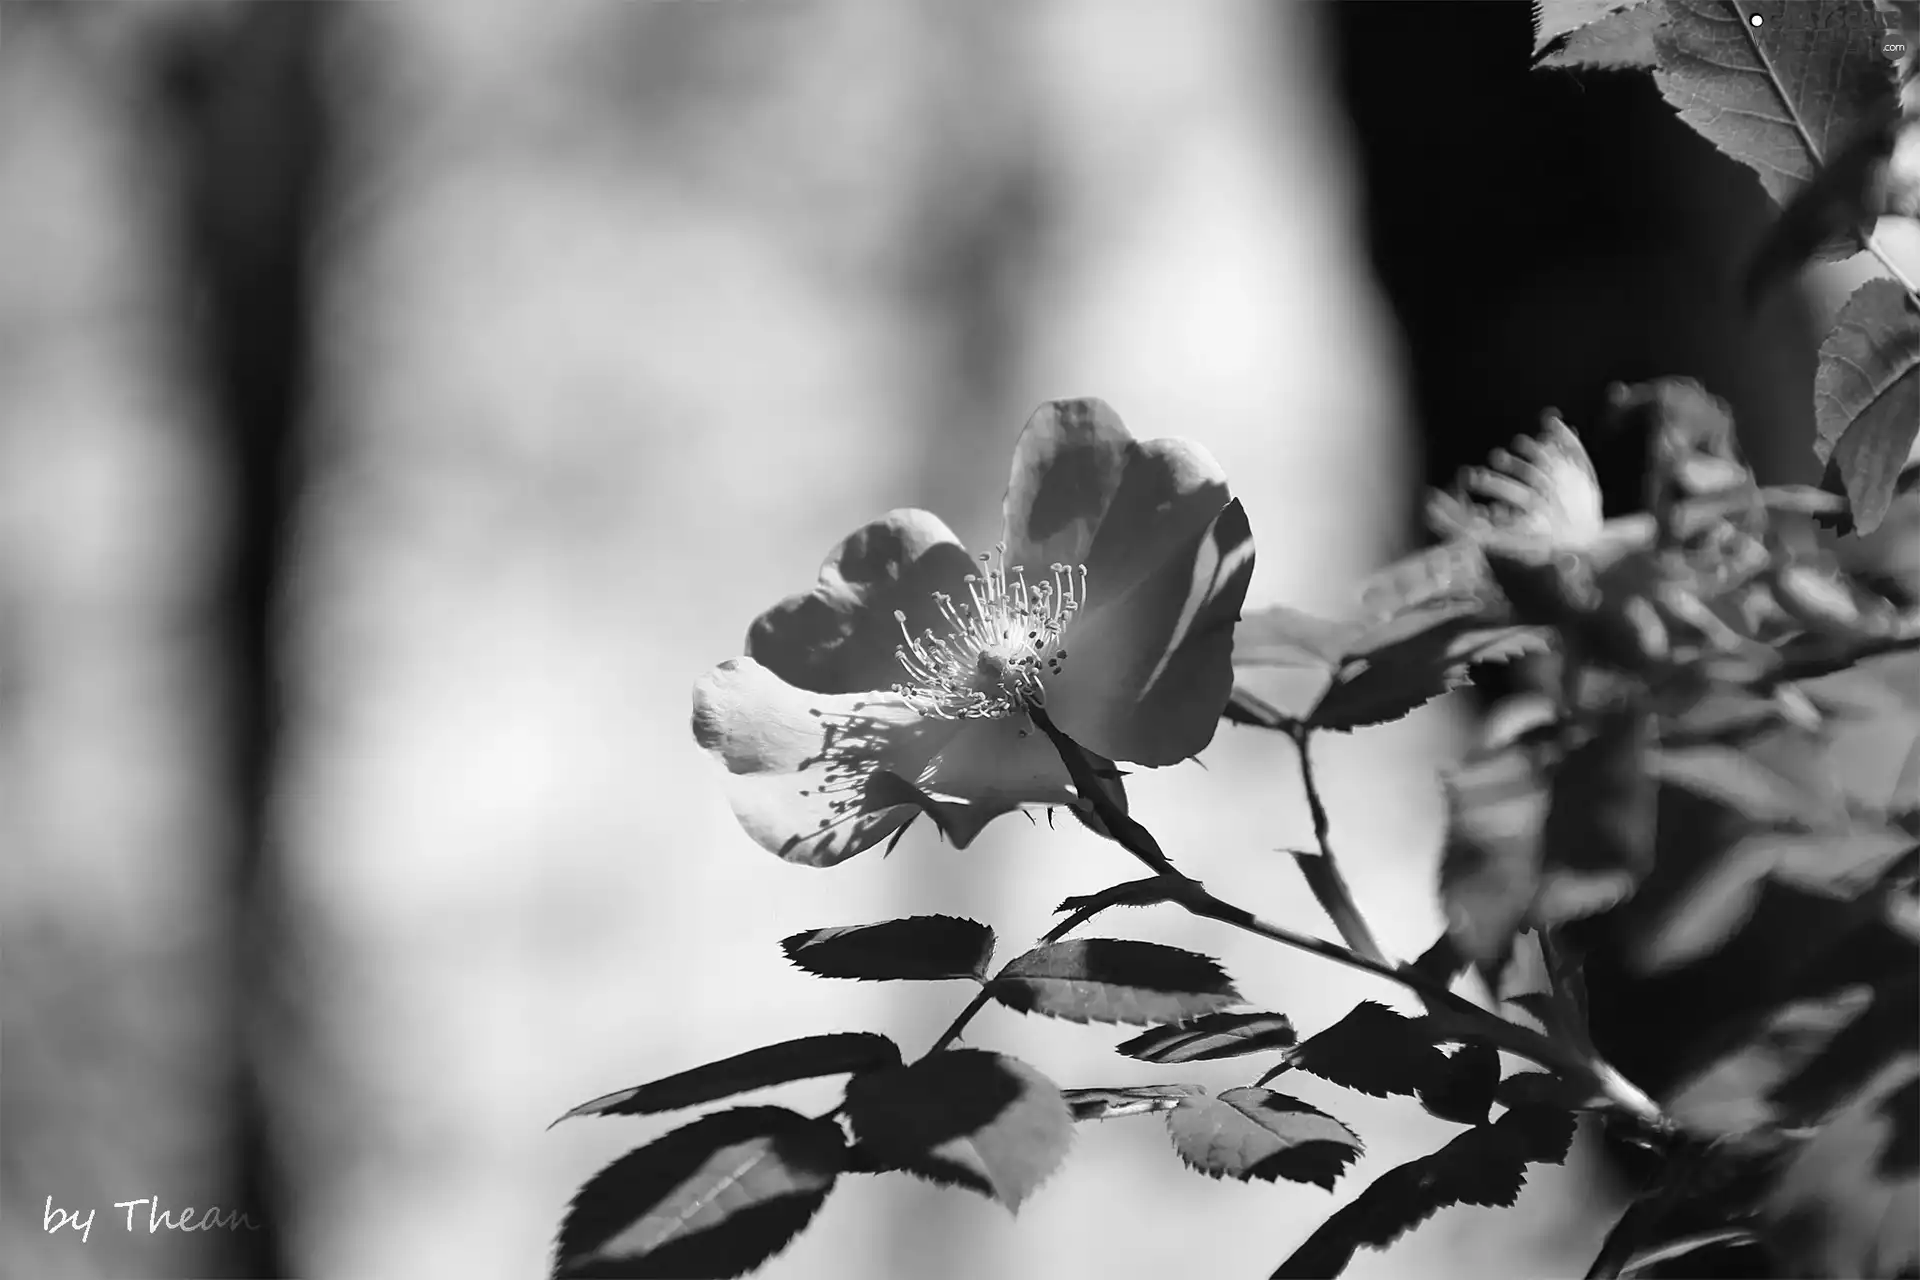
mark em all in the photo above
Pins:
pixel 800 765
pixel 817 778
pixel 841 636
pixel 1084 491
pixel 1147 674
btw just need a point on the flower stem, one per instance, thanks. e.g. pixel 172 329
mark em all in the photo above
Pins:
pixel 1322 870
pixel 1456 1016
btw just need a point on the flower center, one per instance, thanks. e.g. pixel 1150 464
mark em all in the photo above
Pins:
pixel 998 645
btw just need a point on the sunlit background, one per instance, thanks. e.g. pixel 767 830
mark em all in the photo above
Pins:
pixel 402 405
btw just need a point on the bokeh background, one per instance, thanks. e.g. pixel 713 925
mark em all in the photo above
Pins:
pixel 402 405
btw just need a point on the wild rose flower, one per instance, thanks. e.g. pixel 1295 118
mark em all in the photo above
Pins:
pixel 904 681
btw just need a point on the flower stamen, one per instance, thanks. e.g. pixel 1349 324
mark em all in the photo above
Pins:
pixel 998 645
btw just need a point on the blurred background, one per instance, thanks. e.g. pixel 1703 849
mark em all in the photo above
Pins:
pixel 404 404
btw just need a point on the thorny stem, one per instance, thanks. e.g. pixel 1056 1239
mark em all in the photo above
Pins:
pixel 1322 871
pixel 1453 1012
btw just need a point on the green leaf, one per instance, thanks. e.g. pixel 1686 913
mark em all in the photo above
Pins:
pixel 927 948
pixel 1485 1165
pixel 801 1059
pixel 1134 1100
pixel 964 1117
pixel 1252 1133
pixel 1604 34
pixel 1217 1035
pixel 717 1197
pixel 1280 636
pixel 1112 980
pixel 1374 1050
pixel 1780 97
pixel 1866 398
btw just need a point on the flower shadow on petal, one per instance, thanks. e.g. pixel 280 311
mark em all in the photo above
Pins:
pixel 1067 466
pixel 807 773
pixel 841 636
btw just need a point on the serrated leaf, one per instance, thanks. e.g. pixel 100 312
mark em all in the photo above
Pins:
pixel 1252 1133
pixel 800 1059
pixel 1485 1165
pixel 1405 661
pixel 964 1117
pixel 1281 636
pixel 717 1197
pixel 1133 1100
pixel 1216 1035
pixel 1866 398
pixel 923 948
pixel 1113 980
pixel 1600 34
pixel 1374 1050
pixel 1779 97
pixel 1463 1090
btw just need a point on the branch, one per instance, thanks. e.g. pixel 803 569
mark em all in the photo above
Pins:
pixel 1322 871
pixel 1457 1017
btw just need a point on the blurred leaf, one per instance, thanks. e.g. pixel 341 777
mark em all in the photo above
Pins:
pixel 1217 1035
pixel 1722 896
pixel 964 1117
pixel 1780 97
pixel 717 1197
pixel 1113 980
pixel 1728 1095
pixel 1603 34
pixel 1741 781
pixel 1490 863
pixel 1374 1050
pixel 1867 397
pixel 917 947
pixel 1485 1165
pixel 801 1059
pixel 1598 839
pixel 1464 1089
pixel 1846 1201
pixel 1133 1100
pixel 1405 661
pixel 1280 636
pixel 1877 171
pixel 1888 1028
pixel 1251 1133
